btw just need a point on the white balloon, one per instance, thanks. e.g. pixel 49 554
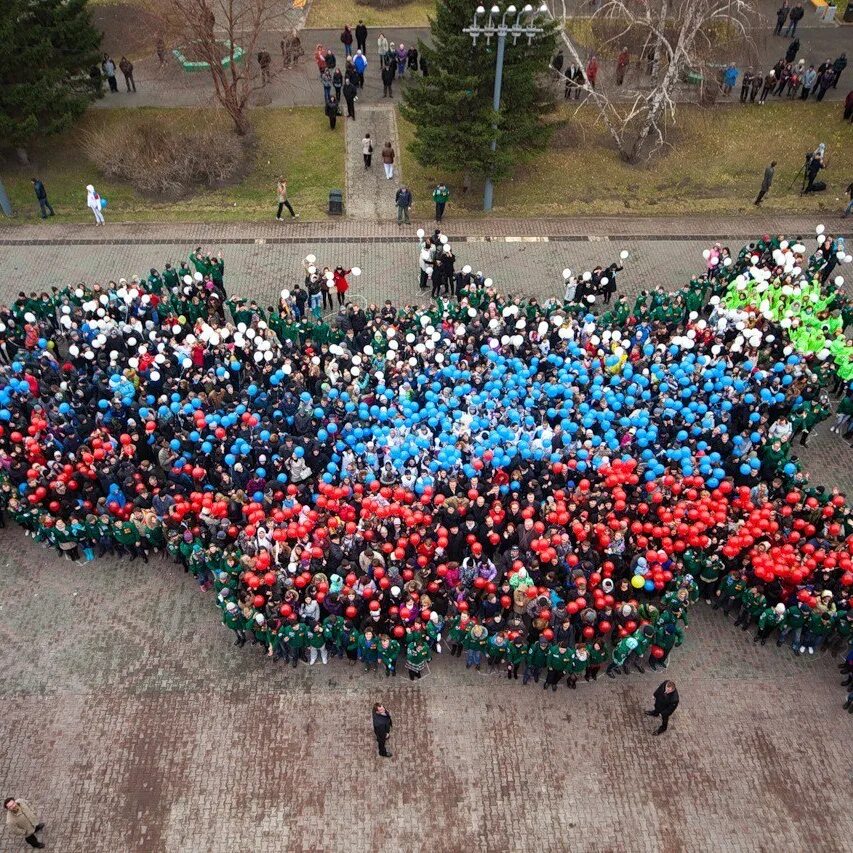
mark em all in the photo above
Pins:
pixel 820 229
pixel 356 271
pixel 623 255
pixel 567 273
pixel 420 232
pixel 310 259
pixel 285 294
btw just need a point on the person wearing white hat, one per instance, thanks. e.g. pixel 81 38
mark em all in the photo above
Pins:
pixel 94 203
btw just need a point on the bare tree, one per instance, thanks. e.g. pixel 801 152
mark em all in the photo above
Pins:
pixel 216 30
pixel 678 36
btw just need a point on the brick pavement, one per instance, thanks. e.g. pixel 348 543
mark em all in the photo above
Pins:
pixel 133 723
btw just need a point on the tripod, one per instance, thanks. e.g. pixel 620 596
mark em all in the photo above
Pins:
pixel 801 171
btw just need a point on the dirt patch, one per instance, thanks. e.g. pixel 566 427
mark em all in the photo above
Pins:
pixel 128 29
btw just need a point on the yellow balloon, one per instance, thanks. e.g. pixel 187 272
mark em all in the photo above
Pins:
pixel 638 581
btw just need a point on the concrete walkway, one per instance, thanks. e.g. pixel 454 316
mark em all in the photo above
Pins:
pixel 370 195
pixel 299 85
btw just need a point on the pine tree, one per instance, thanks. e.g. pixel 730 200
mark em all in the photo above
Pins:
pixel 451 108
pixel 48 48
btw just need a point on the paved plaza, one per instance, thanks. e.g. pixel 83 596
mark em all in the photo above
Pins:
pixel 133 724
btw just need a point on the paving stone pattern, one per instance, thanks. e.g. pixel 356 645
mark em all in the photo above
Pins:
pixel 133 724
pixel 370 194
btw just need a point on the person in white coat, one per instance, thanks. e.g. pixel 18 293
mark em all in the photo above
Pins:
pixel 93 200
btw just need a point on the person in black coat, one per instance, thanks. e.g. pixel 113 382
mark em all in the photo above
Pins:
pixel 332 111
pixel 666 701
pixel 381 728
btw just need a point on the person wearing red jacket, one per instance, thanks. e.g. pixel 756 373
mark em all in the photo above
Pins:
pixel 341 283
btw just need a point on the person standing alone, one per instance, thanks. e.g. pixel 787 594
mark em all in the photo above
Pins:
pixel 766 182
pixel 41 195
pixel 403 200
pixel 388 160
pixel 381 728
pixel 281 190
pixel 21 820
pixel 440 195
pixel 666 701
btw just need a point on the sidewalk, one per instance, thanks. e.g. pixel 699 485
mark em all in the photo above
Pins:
pixel 370 195
pixel 474 230
pixel 299 85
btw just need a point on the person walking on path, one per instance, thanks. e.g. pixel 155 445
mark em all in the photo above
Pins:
pixel 388 160
pixel 666 701
pixel 838 66
pixel 381 728
pixel 849 209
pixel 281 191
pixel 403 200
pixel 361 37
pixel 766 182
pixel 781 17
pixel 126 67
pixel 41 195
pixel 367 150
pixel 21 820
pixel 95 203
pixel 794 18
pixel 440 196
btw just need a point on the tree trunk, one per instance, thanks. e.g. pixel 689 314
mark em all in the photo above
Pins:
pixel 23 157
pixel 664 11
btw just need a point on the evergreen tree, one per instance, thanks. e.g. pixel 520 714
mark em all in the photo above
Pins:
pixel 48 48
pixel 451 108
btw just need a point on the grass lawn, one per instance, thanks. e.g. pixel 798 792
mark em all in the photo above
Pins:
pixel 293 142
pixel 336 13
pixel 715 167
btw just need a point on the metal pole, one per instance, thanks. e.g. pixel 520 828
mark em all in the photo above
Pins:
pixel 488 192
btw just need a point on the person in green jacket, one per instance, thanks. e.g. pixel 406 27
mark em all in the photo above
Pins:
pixel 440 195
pixel 496 647
pixel 476 643
pixel 668 635
pixel 558 662
pixel 577 665
pixel 456 633
pixel 418 655
pixel 127 535
pixel 295 640
pixel 709 576
pixel 769 620
pixel 535 660
pixel 598 655
pixel 731 589
pixel 368 650
pixel 515 655
pixel 233 620
pixel 261 633
pixel 389 651
pixel 753 602
pixel 818 626
pixel 317 645
pixel 624 648
pixel 793 622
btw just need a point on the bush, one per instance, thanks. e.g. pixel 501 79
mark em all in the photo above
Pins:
pixel 169 161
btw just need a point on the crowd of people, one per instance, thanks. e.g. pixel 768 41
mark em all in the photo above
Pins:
pixel 544 489
pixel 789 78
pixel 341 84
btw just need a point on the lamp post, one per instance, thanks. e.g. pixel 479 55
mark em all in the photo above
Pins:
pixel 500 28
